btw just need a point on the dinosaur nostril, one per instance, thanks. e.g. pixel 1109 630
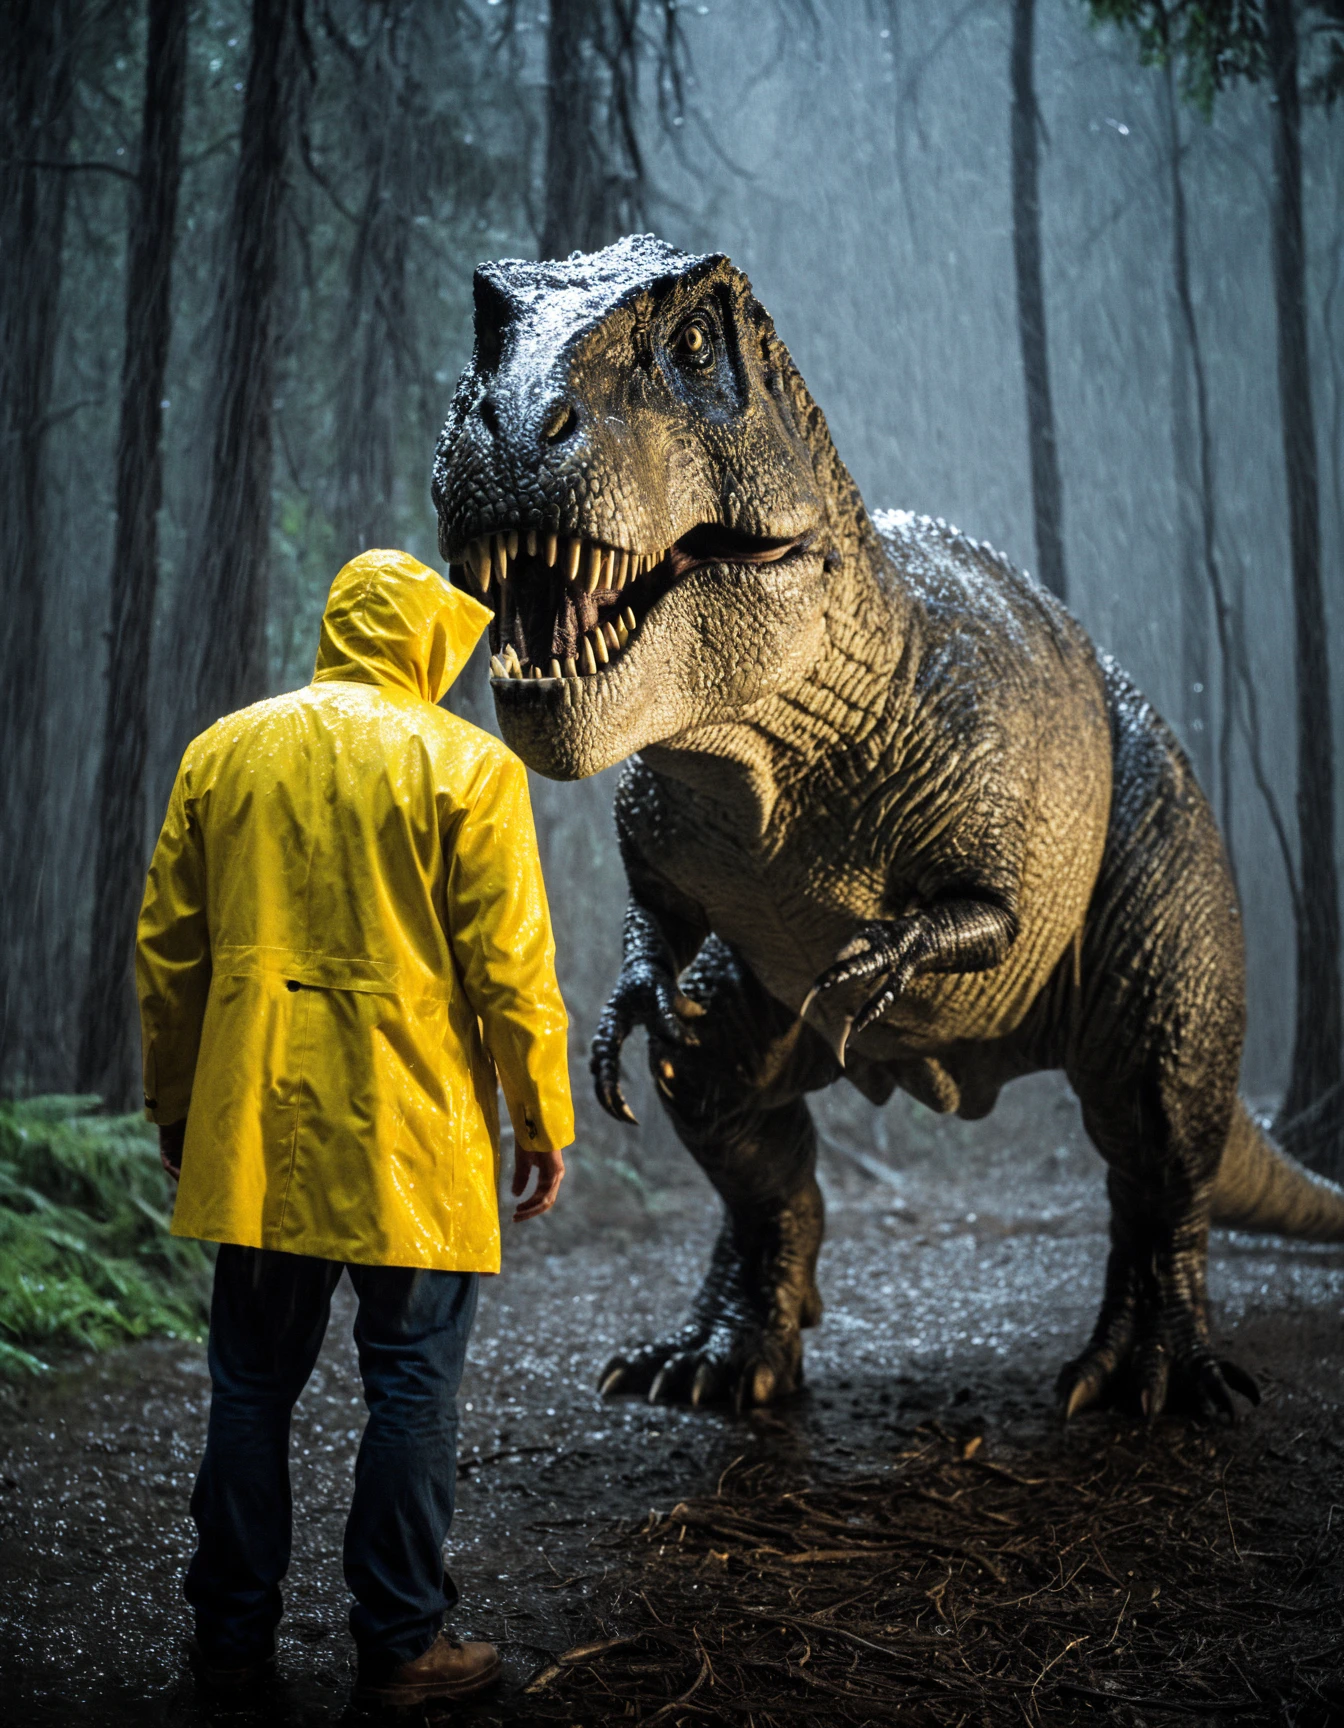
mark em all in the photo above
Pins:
pixel 490 415
pixel 561 420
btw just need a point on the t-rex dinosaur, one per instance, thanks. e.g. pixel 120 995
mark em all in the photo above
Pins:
pixel 887 814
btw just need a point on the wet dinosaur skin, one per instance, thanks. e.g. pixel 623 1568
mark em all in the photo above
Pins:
pixel 887 814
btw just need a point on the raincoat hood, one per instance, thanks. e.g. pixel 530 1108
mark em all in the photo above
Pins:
pixel 392 621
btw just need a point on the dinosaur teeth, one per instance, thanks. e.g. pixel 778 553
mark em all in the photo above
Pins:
pixel 508 665
pixel 584 562
pixel 493 560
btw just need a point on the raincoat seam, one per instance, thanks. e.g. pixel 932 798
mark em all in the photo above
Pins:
pixel 305 1045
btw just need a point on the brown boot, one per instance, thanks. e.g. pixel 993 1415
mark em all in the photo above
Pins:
pixel 448 1669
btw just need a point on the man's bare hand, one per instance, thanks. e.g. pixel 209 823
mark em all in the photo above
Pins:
pixel 171 1139
pixel 550 1169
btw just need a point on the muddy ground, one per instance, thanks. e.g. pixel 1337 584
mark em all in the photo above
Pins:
pixel 953 1291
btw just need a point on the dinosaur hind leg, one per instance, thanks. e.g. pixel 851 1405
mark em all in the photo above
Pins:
pixel 1150 1345
pixel 735 1101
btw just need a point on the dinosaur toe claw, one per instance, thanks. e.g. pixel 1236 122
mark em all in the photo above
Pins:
pixel 703 1386
pixel 1239 1380
pixel 612 1379
pixel 671 1383
pixel 762 1384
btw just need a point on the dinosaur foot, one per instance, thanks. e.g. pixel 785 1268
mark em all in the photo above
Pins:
pixel 733 1362
pixel 1149 1376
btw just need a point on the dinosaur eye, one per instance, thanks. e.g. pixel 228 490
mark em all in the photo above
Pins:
pixel 694 344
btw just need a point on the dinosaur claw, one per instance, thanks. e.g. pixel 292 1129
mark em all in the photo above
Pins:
pixel 1214 1398
pixel 612 1100
pixel 611 1378
pixel 1156 1371
pixel 1240 1381
pixel 702 1387
pixel 669 1384
pixel 1084 1393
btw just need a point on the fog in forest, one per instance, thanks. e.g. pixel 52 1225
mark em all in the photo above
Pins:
pixel 856 161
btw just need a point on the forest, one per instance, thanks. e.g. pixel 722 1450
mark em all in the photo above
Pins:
pixel 1066 273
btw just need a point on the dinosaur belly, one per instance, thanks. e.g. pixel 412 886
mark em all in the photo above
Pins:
pixel 790 911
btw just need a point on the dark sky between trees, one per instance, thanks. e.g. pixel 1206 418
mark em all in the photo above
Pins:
pixel 857 161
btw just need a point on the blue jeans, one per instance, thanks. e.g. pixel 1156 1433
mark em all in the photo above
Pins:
pixel 267 1319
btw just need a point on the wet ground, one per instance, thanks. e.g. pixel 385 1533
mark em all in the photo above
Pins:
pixel 953 1291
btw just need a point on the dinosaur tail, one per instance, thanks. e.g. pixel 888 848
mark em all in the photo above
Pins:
pixel 1260 1187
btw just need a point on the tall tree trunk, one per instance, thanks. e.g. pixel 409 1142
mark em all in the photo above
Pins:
pixel 225 611
pixel 1318 1058
pixel 36 112
pixel 1046 492
pixel 105 1052
pixel 1240 707
pixel 1192 448
pixel 594 166
pixel 376 365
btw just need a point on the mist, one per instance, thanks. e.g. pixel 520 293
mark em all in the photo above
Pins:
pixel 856 162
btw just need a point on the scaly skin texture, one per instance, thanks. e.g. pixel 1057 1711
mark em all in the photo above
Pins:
pixel 887 814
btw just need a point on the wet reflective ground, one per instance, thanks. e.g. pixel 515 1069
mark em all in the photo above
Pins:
pixel 953 1291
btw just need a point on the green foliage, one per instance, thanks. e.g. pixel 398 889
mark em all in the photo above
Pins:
pixel 85 1254
pixel 1327 81
pixel 1216 42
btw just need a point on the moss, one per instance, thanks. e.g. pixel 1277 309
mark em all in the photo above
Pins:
pixel 85 1255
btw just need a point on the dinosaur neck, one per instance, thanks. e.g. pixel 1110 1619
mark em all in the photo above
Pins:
pixel 822 724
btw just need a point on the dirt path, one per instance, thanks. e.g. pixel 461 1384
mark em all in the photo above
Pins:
pixel 953 1292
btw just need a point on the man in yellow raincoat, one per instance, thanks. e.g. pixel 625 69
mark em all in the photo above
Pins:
pixel 344 947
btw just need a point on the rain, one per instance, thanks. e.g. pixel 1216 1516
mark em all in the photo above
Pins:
pixel 1038 277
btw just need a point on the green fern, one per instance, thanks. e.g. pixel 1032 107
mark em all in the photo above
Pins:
pixel 85 1255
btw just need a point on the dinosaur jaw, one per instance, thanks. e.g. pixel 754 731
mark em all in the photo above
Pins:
pixel 565 607
pixel 597 652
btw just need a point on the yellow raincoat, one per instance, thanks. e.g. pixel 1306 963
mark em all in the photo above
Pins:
pixel 344 934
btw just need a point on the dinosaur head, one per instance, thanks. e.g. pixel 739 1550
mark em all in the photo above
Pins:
pixel 629 478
